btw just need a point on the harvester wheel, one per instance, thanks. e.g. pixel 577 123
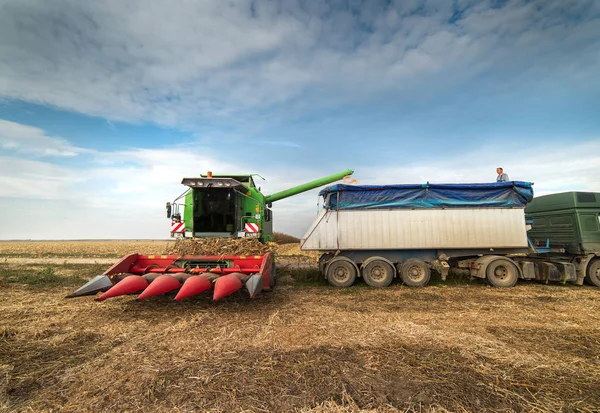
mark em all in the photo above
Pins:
pixel 593 272
pixel 415 273
pixel 378 273
pixel 341 272
pixel 502 272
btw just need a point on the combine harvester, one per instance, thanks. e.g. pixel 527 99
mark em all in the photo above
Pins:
pixel 224 206
pixel 383 232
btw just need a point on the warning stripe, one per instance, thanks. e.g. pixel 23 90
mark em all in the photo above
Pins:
pixel 251 228
pixel 177 227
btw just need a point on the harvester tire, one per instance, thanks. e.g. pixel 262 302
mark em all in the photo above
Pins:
pixel 502 273
pixel 378 273
pixel 593 272
pixel 341 272
pixel 415 273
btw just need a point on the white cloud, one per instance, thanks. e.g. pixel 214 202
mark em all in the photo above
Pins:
pixel 33 180
pixel 122 193
pixel 184 62
pixel 34 141
pixel 198 63
pixel 561 167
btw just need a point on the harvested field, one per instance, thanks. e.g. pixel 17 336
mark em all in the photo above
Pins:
pixel 304 347
pixel 74 251
pixel 113 248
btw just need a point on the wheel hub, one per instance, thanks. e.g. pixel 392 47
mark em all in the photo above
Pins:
pixel 377 273
pixel 500 273
pixel 415 273
pixel 341 273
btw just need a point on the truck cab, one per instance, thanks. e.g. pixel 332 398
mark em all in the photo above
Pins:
pixel 567 220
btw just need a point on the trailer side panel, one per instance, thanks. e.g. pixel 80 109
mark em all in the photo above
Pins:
pixel 464 228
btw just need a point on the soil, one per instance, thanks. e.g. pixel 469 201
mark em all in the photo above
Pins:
pixel 304 347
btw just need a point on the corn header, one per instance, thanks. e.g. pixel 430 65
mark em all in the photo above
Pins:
pixel 213 206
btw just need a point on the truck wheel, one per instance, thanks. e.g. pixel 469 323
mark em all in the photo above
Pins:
pixel 502 272
pixel 378 273
pixel 593 273
pixel 415 273
pixel 341 272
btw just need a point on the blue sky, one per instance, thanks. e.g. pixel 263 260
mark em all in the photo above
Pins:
pixel 106 105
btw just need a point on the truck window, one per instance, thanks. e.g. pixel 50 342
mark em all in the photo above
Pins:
pixel 586 197
pixel 589 222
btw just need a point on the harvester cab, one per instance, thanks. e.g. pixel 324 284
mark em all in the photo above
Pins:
pixel 213 206
pixel 218 206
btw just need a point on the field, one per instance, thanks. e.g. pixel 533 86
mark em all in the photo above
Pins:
pixel 457 346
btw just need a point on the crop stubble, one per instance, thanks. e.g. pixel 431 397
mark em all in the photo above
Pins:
pixel 440 348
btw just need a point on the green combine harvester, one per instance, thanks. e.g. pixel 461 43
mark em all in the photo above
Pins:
pixel 213 206
pixel 230 206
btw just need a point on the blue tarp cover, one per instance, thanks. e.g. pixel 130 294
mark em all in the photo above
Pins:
pixel 489 195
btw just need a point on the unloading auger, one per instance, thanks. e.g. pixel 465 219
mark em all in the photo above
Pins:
pixel 219 206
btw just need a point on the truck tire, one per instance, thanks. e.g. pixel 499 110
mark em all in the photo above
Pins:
pixel 415 273
pixel 341 272
pixel 502 272
pixel 378 273
pixel 593 272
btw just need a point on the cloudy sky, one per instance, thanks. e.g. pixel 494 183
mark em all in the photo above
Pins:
pixel 106 105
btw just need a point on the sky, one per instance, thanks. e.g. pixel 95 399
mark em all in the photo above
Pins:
pixel 105 106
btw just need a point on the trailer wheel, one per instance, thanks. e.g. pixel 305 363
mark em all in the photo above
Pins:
pixel 502 272
pixel 378 273
pixel 341 272
pixel 415 273
pixel 593 273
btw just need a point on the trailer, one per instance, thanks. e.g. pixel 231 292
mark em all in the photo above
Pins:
pixel 406 231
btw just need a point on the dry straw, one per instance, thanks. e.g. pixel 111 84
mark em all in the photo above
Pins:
pixel 445 348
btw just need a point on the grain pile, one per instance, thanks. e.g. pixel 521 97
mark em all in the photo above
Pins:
pixel 218 246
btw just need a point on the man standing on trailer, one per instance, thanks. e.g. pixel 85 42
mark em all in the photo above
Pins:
pixel 502 177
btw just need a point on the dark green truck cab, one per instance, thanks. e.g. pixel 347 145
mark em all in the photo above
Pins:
pixel 570 220
pixel 568 223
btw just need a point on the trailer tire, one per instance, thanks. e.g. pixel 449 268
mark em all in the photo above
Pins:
pixel 593 272
pixel 341 272
pixel 415 273
pixel 378 273
pixel 502 273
